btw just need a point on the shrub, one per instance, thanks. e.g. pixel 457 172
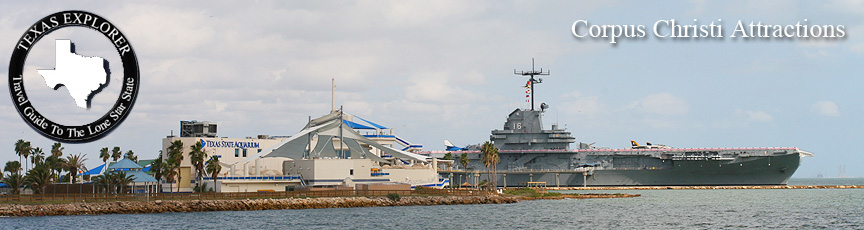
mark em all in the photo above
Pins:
pixel 394 196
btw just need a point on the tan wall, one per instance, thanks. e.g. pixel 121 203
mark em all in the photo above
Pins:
pixel 185 177
pixel 269 166
pixel 253 187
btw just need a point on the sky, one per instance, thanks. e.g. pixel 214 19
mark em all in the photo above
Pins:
pixel 436 70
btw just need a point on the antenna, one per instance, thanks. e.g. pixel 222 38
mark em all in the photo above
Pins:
pixel 531 80
pixel 333 95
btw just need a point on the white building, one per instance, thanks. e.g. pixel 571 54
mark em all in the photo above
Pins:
pixel 316 156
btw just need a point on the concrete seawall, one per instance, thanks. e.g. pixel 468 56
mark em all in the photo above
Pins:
pixel 125 207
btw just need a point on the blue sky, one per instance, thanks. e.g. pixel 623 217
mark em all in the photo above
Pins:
pixel 438 70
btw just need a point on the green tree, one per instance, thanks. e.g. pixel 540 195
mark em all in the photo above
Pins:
pixel 463 160
pixel 37 156
pixel 106 181
pixel 56 165
pixel 213 168
pixel 114 181
pixel 22 149
pixel 131 156
pixel 75 163
pixel 13 167
pixel 490 159
pixel 103 153
pixel 158 169
pixel 175 157
pixel 57 150
pixel 449 157
pixel 14 180
pixel 116 153
pixel 197 156
pixel 37 178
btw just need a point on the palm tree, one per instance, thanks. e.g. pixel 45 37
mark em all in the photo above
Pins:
pixel 158 168
pixel 19 150
pixel 448 156
pixel 103 153
pixel 197 156
pixel 37 178
pixel 75 163
pixel 105 180
pixel 490 159
pixel 213 168
pixel 57 150
pixel 38 156
pixel 25 151
pixel 13 167
pixel 55 164
pixel 131 156
pixel 123 180
pixel 175 157
pixel 463 160
pixel 14 180
pixel 116 153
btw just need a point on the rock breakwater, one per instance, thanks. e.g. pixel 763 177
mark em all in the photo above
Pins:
pixel 160 206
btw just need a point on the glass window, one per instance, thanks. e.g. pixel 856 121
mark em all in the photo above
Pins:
pixel 244 152
pixel 236 152
pixel 259 150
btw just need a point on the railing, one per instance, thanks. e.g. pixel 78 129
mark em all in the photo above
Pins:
pixel 89 197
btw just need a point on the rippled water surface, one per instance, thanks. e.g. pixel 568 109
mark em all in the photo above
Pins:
pixel 655 209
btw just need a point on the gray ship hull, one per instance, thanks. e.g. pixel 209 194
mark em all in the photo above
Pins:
pixel 763 170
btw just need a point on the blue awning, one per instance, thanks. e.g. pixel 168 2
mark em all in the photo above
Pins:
pixel 371 123
pixel 354 125
pixel 94 171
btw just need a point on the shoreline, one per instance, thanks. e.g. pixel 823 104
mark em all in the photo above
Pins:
pixel 160 206
pixel 163 206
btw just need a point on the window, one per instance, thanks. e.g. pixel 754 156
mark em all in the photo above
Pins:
pixel 351 172
pixel 236 152
pixel 259 150
pixel 244 152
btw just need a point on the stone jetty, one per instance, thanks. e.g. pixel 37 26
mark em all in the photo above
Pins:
pixel 160 206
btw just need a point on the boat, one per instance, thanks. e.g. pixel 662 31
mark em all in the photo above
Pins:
pixel 530 154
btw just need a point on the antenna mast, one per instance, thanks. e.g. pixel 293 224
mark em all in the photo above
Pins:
pixel 531 80
pixel 333 95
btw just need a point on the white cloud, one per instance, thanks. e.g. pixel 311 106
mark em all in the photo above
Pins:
pixel 575 103
pixel 660 104
pixel 754 116
pixel 826 108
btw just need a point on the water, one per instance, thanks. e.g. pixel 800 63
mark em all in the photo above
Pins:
pixel 656 209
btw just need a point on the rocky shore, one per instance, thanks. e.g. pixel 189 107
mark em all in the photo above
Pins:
pixel 714 187
pixel 125 207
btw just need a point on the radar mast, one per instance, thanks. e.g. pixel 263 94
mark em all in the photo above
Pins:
pixel 531 80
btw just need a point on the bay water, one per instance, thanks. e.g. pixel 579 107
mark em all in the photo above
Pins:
pixel 655 209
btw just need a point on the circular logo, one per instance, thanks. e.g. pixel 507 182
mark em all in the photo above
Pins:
pixel 74 133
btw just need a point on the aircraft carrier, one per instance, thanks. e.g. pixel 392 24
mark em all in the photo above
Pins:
pixel 532 156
